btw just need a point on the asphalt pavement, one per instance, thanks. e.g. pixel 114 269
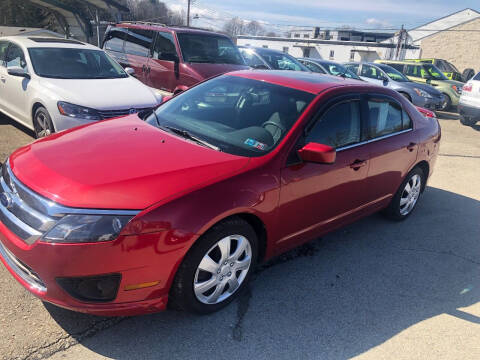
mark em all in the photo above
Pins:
pixel 374 290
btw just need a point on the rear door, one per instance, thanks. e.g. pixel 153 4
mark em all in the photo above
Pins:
pixel 137 47
pixel 316 197
pixel 392 151
pixel 164 65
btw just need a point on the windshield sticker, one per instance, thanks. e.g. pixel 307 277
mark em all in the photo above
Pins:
pixel 255 144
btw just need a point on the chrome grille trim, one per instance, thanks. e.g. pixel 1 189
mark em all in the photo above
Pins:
pixel 22 270
pixel 108 114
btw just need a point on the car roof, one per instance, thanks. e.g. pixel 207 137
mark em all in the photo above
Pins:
pixel 48 42
pixel 161 27
pixel 262 49
pixel 301 80
pixel 321 61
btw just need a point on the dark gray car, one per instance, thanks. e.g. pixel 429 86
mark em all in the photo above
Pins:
pixel 328 67
pixel 380 74
pixel 262 58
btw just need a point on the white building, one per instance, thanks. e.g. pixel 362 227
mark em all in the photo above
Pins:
pixel 336 50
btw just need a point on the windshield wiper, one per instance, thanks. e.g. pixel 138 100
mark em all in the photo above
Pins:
pixel 185 134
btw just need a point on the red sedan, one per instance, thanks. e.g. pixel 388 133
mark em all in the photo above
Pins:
pixel 123 216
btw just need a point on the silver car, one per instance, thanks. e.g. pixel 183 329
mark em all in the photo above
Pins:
pixel 380 74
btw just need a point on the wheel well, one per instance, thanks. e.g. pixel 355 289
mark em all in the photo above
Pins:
pixel 35 107
pixel 426 170
pixel 406 95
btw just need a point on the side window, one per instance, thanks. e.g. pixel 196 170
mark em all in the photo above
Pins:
pixel 251 59
pixel 384 118
pixel 352 67
pixel 313 67
pixel 412 70
pixel 406 120
pixel 114 40
pixel 15 57
pixel 371 72
pixel 339 126
pixel 138 42
pixel 3 51
pixel 164 48
pixel 398 67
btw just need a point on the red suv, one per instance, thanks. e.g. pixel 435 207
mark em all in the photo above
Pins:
pixel 171 58
pixel 180 204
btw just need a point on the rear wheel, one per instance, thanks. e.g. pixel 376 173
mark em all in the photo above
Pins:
pixel 446 104
pixel 407 195
pixel 216 269
pixel 42 123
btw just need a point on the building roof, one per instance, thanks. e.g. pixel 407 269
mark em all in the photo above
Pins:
pixel 444 23
pixel 12 31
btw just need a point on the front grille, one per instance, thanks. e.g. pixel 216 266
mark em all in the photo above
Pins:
pixel 22 270
pixel 23 212
pixel 108 114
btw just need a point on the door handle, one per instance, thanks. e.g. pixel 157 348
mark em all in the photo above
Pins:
pixel 357 164
pixel 411 146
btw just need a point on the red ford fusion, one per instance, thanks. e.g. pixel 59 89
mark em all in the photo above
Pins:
pixel 177 206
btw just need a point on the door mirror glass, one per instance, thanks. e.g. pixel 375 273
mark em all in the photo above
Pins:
pixel 317 153
pixel 17 71
pixel 130 71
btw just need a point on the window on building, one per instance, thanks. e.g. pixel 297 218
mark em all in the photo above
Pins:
pixel 306 35
pixel 285 49
pixel 352 55
pixel 296 35
pixel 332 54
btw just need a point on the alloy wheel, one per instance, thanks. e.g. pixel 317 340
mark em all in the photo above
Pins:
pixel 43 127
pixel 223 269
pixel 410 194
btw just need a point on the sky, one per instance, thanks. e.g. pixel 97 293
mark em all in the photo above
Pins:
pixel 362 14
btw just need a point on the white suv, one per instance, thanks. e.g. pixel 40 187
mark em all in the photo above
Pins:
pixel 53 84
pixel 469 104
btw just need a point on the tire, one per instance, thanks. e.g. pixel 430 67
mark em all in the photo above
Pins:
pixel 467 121
pixel 187 294
pixel 446 104
pixel 468 74
pixel 42 123
pixel 398 211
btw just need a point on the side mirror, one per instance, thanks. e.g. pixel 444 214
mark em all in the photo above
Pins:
pixel 385 80
pixel 130 71
pixel 18 71
pixel 317 153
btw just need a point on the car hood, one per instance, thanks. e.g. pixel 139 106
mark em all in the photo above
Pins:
pixel 103 94
pixel 121 163
pixel 427 88
pixel 206 71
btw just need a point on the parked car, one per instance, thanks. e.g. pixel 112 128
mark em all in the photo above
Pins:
pixel 51 84
pixel 469 104
pixel 328 67
pixel 383 75
pixel 429 74
pixel 269 59
pixel 448 69
pixel 225 175
pixel 171 58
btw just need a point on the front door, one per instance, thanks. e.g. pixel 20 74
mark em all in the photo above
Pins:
pixel 163 67
pixel 317 197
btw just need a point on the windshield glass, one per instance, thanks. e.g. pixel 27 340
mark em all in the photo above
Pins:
pixel 434 72
pixel 339 70
pixel 239 116
pixel 281 61
pixel 64 63
pixel 393 73
pixel 199 48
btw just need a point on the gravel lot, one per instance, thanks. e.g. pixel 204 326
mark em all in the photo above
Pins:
pixel 374 290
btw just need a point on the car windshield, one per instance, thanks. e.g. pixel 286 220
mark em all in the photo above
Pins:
pixel 73 63
pixel 393 73
pixel 199 48
pixel 280 61
pixel 434 72
pixel 339 70
pixel 237 115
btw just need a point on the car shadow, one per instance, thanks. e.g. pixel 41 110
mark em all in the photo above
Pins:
pixel 5 120
pixel 335 297
pixel 443 115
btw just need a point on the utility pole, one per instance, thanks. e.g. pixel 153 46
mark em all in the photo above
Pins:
pixel 188 13
pixel 401 35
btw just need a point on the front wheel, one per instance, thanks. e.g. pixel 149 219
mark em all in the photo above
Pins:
pixel 216 268
pixel 446 104
pixel 407 195
pixel 42 123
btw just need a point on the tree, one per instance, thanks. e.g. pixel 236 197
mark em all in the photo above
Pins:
pixel 271 34
pixel 234 27
pixel 22 13
pixel 254 28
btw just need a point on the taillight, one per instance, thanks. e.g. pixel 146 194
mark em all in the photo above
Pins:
pixel 467 87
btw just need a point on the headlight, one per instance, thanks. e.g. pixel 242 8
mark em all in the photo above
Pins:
pixel 422 93
pixel 458 89
pixel 78 112
pixel 86 228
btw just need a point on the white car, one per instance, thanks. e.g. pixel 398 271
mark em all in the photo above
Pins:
pixel 469 103
pixel 53 84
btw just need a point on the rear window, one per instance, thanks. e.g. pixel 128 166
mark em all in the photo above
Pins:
pixel 476 77
pixel 200 48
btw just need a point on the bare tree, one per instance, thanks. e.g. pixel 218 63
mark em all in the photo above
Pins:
pixel 234 27
pixel 254 28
